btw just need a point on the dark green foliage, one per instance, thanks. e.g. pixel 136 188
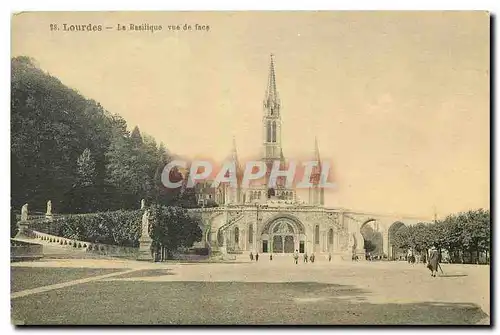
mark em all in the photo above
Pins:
pixel 459 233
pixel 117 227
pixel 70 150
pixel 369 246
pixel 172 228
pixel 373 242
pixel 13 224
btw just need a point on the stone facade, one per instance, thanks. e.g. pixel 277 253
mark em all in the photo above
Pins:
pixel 273 220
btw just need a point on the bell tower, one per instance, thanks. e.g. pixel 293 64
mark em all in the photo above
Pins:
pixel 271 122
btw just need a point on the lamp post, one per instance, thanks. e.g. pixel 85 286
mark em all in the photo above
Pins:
pixel 255 247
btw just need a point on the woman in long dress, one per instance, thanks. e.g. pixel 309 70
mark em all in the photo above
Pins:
pixel 433 262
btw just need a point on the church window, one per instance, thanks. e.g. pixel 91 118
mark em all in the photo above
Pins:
pixel 269 131
pixel 330 236
pixel 236 235
pixel 273 133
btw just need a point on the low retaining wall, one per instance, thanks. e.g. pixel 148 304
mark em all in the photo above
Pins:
pixel 95 248
pixel 20 250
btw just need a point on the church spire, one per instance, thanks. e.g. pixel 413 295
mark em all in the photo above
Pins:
pixel 316 150
pixel 234 153
pixel 271 101
pixel 316 193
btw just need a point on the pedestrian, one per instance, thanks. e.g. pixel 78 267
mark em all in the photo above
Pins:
pixel 257 257
pixel 271 257
pixel 305 257
pixel 296 256
pixel 251 256
pixel 312 258
pixel 433 262
pixel 329 256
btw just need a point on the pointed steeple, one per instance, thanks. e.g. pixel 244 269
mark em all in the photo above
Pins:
pixel 234 152
pixel 271 101
pixel 316 192
pixel 316 172
pixel 233 156
pixel 316 150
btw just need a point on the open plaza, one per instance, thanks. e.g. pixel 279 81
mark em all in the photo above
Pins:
pixel 123 292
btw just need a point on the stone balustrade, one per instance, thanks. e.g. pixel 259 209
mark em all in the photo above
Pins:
pixel 95 248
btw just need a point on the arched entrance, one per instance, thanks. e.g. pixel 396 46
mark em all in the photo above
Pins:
pixel 330 240
pixel 283 235
pixel 283 238
pixel 373 242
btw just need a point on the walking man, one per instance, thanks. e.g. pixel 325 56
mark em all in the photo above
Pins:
pixel 296 256
pixel 257 256
pixel 305 257
pixel 433 263
pixel 251 256
pixel 329 256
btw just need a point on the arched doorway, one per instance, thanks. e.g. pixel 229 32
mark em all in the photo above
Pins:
pixel 395 253
pixel 283 237
pixel 373 242
pixel 330 240
pixel 283 234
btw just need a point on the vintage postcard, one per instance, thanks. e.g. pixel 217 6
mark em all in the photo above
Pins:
pixel 250 168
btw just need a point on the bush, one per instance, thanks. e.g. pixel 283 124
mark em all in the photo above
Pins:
pixel 117 227
pixel 13 224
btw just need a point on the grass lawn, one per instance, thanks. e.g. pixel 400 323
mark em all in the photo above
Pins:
pixel 23 278
pixel 194 302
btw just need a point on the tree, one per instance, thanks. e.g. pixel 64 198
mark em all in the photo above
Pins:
pixel 136 137
pixel 369 246
pixel 402 239
pixel 172 227
pixel 51 125
pixel 85 169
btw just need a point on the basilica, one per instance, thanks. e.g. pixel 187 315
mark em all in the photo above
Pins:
pixel 273 220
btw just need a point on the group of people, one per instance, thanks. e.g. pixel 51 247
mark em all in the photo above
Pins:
pixel 432 264
pixel 256 256
pixel 306 258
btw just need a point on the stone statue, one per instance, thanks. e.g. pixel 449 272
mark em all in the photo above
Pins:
pixel 143 204
pixel 49 208
pixel 145 225
pixel 24 212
